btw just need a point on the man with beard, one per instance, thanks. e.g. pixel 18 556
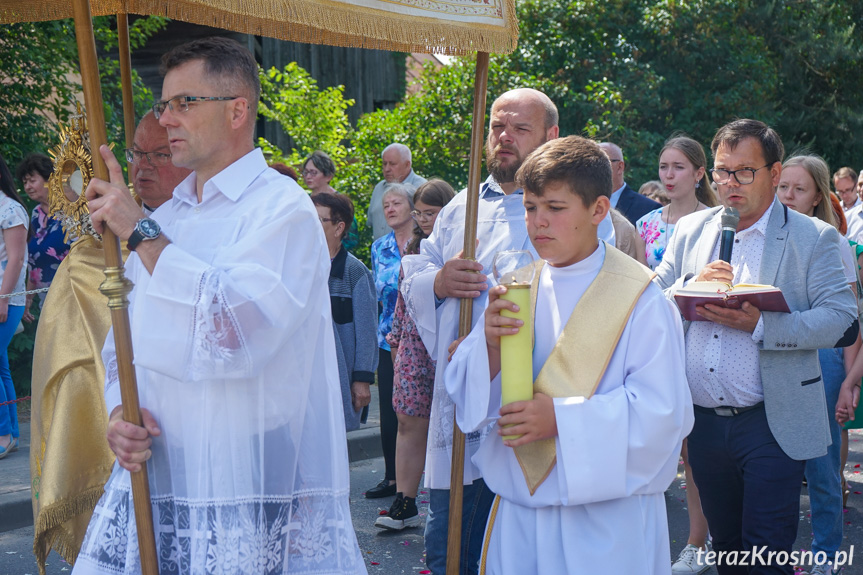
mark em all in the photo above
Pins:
pixel 521 120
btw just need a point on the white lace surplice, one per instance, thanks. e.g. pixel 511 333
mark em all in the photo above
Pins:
pixel 235 357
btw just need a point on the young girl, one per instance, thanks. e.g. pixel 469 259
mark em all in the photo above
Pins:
pixel 582 489
pixel 683 172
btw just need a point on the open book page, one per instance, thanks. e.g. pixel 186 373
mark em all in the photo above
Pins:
pixel 722 287
pixel 763 297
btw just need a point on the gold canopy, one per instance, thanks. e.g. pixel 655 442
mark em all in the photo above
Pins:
pixel 443 26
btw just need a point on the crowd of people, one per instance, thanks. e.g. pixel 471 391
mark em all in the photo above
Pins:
pixel 250 373
pixel 750 173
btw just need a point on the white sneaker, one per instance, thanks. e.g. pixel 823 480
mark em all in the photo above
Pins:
pixel 687 561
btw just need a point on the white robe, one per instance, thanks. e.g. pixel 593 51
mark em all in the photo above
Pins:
pixel 235 357
pixel 500 226
pixel 602 508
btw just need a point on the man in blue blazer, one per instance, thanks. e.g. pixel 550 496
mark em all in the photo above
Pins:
pixel 626 200
pixel 760 409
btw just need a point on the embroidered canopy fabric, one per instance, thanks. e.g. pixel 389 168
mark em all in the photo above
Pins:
pixel 446 26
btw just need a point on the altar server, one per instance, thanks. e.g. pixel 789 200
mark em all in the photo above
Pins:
pixel 580 490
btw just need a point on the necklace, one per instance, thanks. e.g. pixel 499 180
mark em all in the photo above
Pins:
pixel 697 203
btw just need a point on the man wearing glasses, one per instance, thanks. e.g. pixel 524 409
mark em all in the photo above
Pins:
pixel 755 376
pixel 243 434
pixel 150 166
pixel 845 184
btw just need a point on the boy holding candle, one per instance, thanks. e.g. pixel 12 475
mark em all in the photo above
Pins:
pixel 580 490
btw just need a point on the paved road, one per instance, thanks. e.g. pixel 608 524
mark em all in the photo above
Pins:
pixel 402 552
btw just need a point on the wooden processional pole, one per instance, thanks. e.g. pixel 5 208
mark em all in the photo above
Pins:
pixel 116 287
pixel 456 483
pixel 126 78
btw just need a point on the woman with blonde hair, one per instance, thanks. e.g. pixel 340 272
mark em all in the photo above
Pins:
pixel 413 383
pixel 387 252
pixel 805 187
pixel 683 173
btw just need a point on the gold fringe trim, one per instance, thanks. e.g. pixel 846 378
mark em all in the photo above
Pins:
pixel 487 538
pixel 47 533
pixel 319 22
pixel 12 11
pixel 336 24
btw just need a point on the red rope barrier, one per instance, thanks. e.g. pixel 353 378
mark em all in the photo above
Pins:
pixel 15 401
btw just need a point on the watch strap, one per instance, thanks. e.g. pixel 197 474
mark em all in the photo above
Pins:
pixel 134 240
pixel 137 236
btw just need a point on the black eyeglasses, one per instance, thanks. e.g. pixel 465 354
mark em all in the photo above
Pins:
pixel 183 102
pixel 134 156
pixel 744 176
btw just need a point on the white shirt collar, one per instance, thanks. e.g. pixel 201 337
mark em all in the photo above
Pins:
pixel 230 182
pixel 615 196
pixel 590 264
pixel 759 226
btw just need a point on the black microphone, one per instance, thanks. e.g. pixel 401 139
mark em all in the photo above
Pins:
pixel 730 219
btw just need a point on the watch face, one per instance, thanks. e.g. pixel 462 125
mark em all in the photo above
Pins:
pixel 149 228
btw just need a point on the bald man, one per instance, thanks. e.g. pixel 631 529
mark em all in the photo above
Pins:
pixel 624 199
pixel 520 121
pixel 396 159
pixel 150 166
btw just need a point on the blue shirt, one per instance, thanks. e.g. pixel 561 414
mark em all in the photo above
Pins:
pixel 386 264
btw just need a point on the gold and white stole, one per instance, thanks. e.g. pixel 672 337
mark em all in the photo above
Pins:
pixel 585 346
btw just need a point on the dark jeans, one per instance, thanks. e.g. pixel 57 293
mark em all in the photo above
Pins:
pixel 476 504
pixel 750 489
pixel 389 421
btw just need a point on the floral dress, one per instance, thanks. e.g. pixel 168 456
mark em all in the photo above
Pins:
pixel 46 250
pixel 414 368
pixel 656 235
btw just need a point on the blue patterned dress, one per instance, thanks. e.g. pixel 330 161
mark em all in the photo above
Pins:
pixel 46 250
pixel 386 264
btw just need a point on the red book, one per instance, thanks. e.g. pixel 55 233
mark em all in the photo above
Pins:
pixel 764 297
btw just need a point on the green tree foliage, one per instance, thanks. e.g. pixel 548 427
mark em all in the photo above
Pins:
pixel 35 70
pixel 636 71
pixel 434 121
pixel 39 77
pixel 315 119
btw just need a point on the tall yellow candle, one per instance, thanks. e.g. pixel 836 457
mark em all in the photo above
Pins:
pixel 516 351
